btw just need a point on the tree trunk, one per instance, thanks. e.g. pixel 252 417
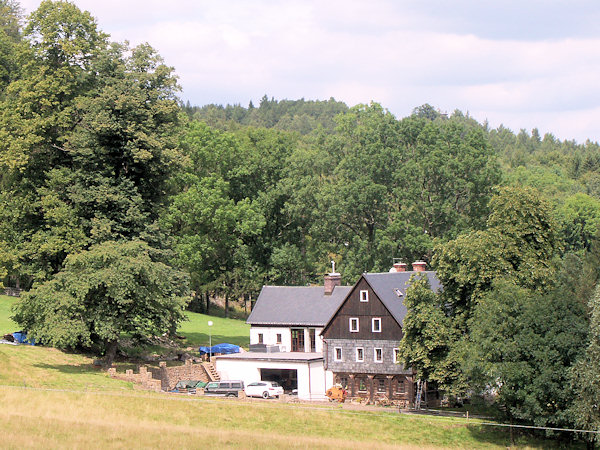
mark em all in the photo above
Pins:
pixel 512 433
pixel 227 306
pixel 207 295
pixel 111 352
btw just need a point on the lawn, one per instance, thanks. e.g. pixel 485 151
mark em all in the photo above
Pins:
pixel 6 325
pixel 196 330
pixel 35 418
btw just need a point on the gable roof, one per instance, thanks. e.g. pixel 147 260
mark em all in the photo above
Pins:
pixel 296 305
pixel 386 286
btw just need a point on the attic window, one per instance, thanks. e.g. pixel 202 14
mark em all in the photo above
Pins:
pixel 364 296
pixel 398 292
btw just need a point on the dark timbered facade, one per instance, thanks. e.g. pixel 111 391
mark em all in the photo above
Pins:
pixel 361 338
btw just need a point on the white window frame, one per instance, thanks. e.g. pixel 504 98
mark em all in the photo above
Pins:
pixel 335 354
pixel 375 355
pixel 373 321
pixel 350 324
pixel 396 355
pixel 363 354
pixel 364 296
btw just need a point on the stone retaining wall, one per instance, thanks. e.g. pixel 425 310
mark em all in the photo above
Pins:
pixel 162 377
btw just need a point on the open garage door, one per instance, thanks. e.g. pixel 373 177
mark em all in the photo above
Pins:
pixel 288 378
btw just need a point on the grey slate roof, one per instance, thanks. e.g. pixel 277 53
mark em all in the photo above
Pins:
pixel 386 284
pixel 296 305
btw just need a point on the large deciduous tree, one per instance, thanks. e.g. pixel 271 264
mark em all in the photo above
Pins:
pixel 89 141
pixel 521 347
pixel 110 289
pixel 585 380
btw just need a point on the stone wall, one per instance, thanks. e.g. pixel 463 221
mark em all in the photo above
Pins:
pixel 162 377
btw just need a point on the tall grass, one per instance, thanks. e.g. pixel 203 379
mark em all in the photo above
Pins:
pixel 97 420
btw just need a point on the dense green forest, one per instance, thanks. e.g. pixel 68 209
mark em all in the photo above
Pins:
pixel 103 166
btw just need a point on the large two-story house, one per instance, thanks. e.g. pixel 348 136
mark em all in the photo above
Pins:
pixel 311 337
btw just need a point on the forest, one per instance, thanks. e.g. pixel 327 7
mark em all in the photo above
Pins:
pixel 119 200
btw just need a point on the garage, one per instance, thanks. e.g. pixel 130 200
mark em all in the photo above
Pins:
pixel 287 378
pixel 302 371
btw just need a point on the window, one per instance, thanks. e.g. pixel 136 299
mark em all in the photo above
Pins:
pixel 380 385
pixel 400 387
pixel 396 356
pixel 344 382
pixel 376 325
pixel 398 292
pixel 354 324
pixel 360 354
pixel 260 338
pixel 362 386
pixel 378 355
pixel 337 354
pixel 364 296
pixel 278 338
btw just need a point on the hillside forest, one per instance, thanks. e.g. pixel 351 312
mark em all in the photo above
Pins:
pixel 120 201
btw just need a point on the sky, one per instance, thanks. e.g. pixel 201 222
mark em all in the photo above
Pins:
pixel 523 64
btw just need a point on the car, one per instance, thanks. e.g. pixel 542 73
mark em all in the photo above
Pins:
pixel 264 389
pixel 229 388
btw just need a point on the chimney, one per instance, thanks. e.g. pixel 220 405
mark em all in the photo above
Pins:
pixel 399 267
pixel 331 281
pixel 419 266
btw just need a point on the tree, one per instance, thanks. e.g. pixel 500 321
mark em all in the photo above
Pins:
pixel 90 135
pixel 212 233
pixel 427 335
pixel 521 347
pixel 586 377
pixel 520 243
pixel 110 289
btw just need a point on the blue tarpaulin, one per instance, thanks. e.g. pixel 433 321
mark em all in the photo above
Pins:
pixel 21 338
pixel 223 349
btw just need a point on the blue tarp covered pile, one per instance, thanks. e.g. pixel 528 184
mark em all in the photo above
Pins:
pixel 21 338
pixel 223 349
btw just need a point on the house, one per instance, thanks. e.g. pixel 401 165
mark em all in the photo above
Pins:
pixel 361 338
pixel 292 317
pixel 308 338
pixel 285 338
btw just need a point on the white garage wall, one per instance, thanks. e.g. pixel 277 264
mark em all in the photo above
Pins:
pixel 313 380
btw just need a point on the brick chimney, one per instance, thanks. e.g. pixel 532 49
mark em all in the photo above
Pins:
pixel 331 281
pixel 399 267
pixel 419 266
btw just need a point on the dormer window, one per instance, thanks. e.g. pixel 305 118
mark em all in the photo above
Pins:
pixel 364 296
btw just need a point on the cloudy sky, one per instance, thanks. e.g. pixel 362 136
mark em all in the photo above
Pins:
pixel 521 63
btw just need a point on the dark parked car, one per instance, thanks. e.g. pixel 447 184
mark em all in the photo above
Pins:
pixel 229 388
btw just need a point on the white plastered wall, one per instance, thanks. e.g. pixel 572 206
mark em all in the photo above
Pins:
pixel 313 380
pixel 270 337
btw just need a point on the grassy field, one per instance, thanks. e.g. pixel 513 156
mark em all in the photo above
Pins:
pixel 232 331
pixel 34 418
pixel 55 399
pixel 6 325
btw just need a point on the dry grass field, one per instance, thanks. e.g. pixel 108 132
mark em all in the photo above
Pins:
pixel 55 419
